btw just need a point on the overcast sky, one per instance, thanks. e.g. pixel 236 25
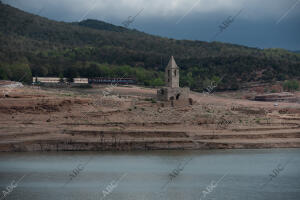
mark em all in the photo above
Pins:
pixel 258 23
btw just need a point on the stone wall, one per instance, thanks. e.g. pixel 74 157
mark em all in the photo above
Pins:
pixel 168 93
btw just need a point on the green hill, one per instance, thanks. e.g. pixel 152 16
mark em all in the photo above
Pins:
pixel 43 47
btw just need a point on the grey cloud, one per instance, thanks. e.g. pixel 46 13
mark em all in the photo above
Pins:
pixel 256 26
pixel 258 9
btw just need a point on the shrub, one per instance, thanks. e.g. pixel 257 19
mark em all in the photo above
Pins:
pixel 291 85
pixel 273 91
pixel 83 86
pixel 157 82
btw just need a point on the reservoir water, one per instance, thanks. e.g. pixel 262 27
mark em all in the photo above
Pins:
pixel 173 175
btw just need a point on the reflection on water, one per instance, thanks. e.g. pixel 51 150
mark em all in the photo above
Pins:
pixel 230 174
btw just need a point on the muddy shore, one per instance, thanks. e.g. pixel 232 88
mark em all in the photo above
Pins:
pixel 43 119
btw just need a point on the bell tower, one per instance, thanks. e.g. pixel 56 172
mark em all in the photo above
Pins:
pixel 172 91
pixel 172 74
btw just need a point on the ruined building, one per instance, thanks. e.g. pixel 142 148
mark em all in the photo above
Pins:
pixel 172 91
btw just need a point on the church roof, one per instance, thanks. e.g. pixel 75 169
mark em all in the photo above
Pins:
pixel 172 64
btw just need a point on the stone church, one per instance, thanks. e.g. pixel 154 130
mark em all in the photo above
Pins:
pixel 172 91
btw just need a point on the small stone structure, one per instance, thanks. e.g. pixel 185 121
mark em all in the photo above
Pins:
pixel 172 91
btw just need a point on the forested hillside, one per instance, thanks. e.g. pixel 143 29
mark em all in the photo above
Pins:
pixel 41 47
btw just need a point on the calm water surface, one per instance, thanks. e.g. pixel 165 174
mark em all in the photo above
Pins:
pixel 237 175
